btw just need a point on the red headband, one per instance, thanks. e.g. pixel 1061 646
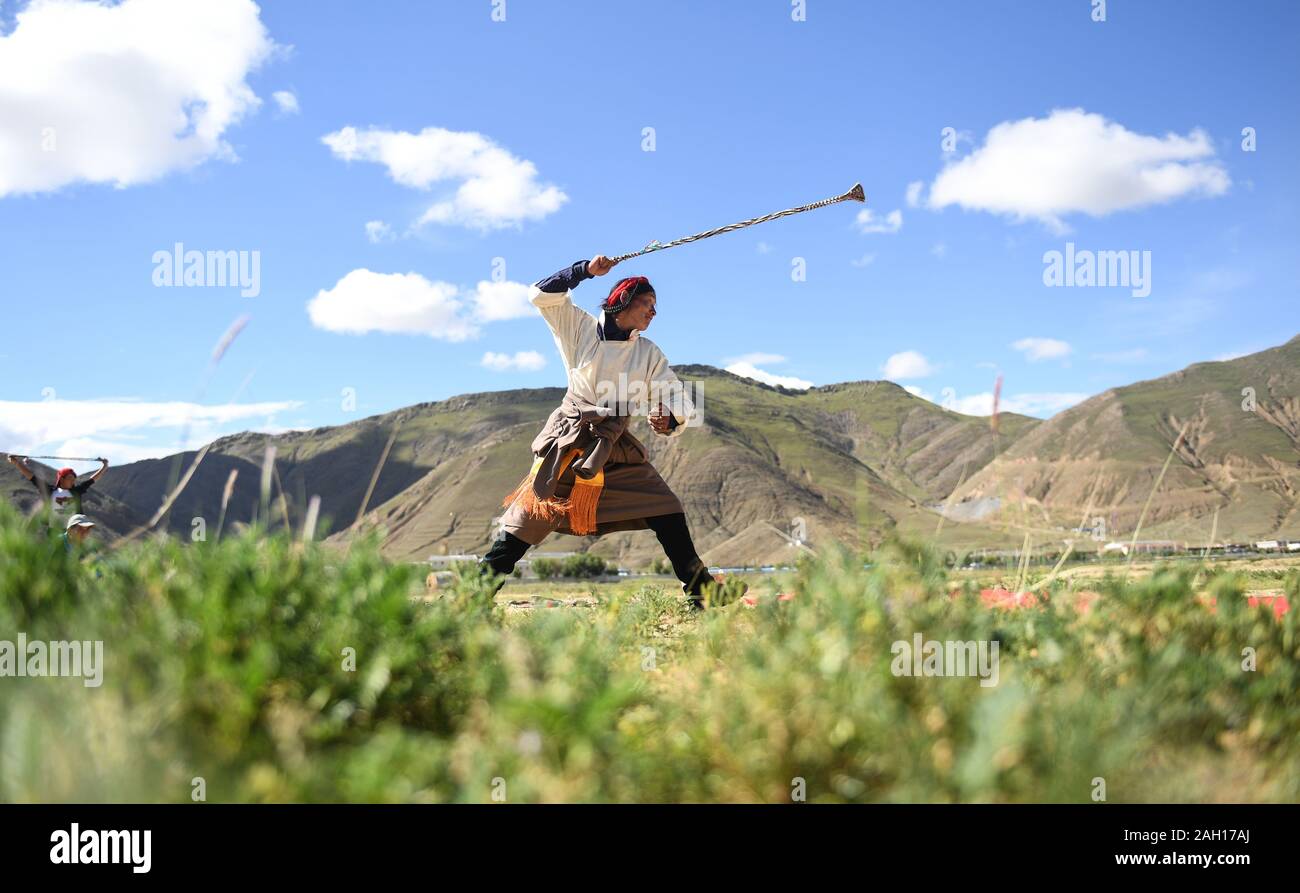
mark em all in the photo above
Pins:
pixel 625 290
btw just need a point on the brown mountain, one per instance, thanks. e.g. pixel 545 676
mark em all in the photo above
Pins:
pixel 1238 456
pixel 769 466
pixel 839 463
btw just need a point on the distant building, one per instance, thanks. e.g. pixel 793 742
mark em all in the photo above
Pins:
pixel 1145 547
pixel 449 560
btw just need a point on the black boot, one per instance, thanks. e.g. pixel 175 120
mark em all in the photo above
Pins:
pixel 675 537
pixel 694 585
pixel 502 557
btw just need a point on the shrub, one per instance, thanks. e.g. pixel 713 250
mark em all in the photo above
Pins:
pixel 583 564
pixel 278 672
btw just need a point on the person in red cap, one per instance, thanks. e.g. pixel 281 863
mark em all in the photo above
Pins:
pixel 590 475
pixel 66 491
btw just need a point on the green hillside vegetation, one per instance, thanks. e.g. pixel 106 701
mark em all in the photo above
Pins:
pixel 277 672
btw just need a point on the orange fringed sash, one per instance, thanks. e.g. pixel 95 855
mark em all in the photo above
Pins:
pixel 580 506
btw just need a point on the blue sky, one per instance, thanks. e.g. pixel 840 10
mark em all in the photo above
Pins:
pixel 129 128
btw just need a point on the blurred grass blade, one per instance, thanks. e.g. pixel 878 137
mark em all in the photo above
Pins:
pixel 374 478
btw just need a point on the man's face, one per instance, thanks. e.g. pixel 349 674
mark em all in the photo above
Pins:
pixel 79 533
pixel 68 481
pixel 639 313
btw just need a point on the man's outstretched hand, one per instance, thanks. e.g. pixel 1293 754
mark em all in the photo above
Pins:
pixel 660 420
pixel 599 265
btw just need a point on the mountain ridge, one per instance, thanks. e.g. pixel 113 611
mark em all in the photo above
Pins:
pixel 773 470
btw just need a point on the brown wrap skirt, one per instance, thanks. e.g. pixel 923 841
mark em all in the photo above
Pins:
pixel 590 476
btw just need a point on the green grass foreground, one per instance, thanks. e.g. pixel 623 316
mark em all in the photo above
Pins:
pixel 229 662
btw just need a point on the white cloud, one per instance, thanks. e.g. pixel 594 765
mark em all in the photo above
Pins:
pixel 1036 349
pixel 495 301
pixel 1075 162
pixel 914 193
pixel 377 231
pixel 764 248
pixel 408 303
pixel 496 189
pixel 750 370
pixel 364 301
pixel 123 93
pixel 126 430
pixel 118 451
pixel 758 359
pixel 939 249
pixel 1040 405
pixel 947 397
pixel 868 222
pixel 523 361
pixel 865 261
pixel 287 101
pixel 976 404
pixel 907 364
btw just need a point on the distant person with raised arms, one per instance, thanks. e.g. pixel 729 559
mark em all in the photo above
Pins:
pixel 66 491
